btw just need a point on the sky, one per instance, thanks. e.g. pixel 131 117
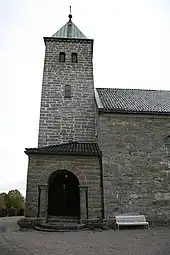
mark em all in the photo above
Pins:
pixel 131 50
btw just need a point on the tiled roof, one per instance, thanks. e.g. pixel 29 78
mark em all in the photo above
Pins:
pixel 134 100
pixel 67 148
pixel 69 30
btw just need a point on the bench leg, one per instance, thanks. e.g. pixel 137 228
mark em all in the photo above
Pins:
pixel 117 227
pixel 147 226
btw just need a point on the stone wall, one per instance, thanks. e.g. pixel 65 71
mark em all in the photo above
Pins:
pixel 86 168
pixel 65 119
pixel 136 173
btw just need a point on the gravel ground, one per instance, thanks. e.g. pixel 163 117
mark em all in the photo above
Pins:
pixel 124 242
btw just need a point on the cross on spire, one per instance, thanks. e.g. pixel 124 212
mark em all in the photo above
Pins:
pixel 70 16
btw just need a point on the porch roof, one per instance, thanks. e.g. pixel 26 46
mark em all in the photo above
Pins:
pixel 72 148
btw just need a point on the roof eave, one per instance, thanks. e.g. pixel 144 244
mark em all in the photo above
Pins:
pixel 67 39
pixel 62 153
pixel 132 112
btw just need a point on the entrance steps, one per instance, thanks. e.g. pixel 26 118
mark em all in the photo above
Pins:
pixel 61 224
pixel 54 219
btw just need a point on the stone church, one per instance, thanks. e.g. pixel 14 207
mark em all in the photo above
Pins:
pixel 101 151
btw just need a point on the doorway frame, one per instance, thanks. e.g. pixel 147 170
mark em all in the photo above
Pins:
pixel 42 210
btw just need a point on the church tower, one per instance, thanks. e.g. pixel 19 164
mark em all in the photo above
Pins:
pixel 68 110
pixel 64 172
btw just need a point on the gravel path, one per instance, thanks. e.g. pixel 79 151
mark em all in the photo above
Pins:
pixel 124 242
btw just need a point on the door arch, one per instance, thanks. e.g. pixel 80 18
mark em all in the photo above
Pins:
pixel 63 194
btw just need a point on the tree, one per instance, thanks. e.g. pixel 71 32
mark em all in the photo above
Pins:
pixel 15 199
pixel 13 203
pixel 2 203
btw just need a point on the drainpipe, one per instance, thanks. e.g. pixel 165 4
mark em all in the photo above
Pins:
pixel 39 194
pixel 102 187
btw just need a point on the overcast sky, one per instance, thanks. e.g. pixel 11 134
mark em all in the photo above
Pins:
pixel 131 50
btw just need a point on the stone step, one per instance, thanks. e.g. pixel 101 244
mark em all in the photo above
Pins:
pixel 62 222
pixel 55 220
pixel 63 218
pixel 63 225
pixel 60 227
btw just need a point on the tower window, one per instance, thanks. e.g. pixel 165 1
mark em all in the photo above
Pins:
pixel 167 144
pixel 62 57
pixel 74 57
pixel 67 92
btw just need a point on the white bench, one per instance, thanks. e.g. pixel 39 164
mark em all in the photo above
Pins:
pixel 130 220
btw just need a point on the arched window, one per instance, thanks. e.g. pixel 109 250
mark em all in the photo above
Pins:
pixel 74 57
pixel 67 92
pixel 62 57
pixel 167 144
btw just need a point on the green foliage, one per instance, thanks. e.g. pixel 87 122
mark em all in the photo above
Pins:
pixel 13 199
pixel 2 203
pixel 5 198
pixel 12 211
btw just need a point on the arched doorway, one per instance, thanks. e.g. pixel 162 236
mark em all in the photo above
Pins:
pixel 63 194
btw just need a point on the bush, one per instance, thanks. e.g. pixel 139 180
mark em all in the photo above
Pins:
pixel 12 212
pixel 20 212
pixel 3 212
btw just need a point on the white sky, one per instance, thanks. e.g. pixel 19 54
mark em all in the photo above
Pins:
pixel 131 50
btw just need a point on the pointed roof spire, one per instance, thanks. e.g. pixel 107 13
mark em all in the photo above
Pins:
pixel 69 30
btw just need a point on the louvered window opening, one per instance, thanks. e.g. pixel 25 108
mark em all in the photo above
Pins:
pixel 167 144
pixel 62 57
pixel 74 57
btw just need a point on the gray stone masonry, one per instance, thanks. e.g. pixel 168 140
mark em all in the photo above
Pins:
pixel 65 119
pixel 135 165
pixel 86 168
pixel 136 172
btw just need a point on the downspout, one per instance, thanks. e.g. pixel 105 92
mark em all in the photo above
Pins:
pixel 102 188
pixel 99 107
pixel 39 194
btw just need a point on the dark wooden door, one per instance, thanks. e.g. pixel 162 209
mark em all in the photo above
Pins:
pixel 64 198
pixel 72 199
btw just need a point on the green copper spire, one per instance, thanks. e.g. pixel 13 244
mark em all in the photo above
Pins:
pixel 69 30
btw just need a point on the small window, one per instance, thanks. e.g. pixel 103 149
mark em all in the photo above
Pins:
pixel 74 57
pixel 167 143
pixel 62 57
pixel 67 92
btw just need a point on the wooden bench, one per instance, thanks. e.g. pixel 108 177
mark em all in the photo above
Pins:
pixel 130 220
